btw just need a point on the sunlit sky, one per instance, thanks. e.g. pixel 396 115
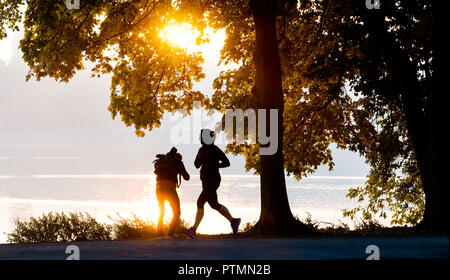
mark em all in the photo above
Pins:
pixel 54 119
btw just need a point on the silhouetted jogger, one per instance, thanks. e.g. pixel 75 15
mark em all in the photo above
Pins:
pixel 167 167
pixel 210 158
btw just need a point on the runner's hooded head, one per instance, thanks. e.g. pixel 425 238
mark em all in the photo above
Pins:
pixel 207 137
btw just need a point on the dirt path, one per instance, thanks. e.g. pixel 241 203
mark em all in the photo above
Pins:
pixel 238 249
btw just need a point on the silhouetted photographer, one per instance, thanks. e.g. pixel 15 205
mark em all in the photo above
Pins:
pixel 168 169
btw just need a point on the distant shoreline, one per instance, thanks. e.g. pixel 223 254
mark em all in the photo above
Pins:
pixel 150 175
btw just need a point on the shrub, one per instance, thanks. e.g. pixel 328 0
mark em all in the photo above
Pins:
pixel 368 225
pixel 61 227
pixel 136 228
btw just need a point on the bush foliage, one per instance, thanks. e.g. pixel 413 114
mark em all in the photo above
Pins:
pixel 61 227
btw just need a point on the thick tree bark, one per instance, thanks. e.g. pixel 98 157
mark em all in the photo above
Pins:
pixel 423 124
pixel 276 216
pixel 437 216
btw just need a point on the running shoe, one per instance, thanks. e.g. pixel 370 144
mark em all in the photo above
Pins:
pixel 190 232
pixel 235 225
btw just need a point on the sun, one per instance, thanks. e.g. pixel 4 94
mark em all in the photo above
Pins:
pixel 184 36
pixel 181 35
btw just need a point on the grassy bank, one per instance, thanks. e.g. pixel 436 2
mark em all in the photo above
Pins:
pixel 62 227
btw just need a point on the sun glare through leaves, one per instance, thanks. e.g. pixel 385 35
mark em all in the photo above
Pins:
pixel 180 35
pixel 184 36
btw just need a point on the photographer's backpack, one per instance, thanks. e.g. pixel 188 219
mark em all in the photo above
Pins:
pixel 164 167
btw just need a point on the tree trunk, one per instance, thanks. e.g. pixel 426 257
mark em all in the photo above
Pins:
pixel 276 216
pixel 423 124
pixel 437 214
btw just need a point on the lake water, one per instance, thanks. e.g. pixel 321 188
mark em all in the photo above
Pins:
pixel 104 195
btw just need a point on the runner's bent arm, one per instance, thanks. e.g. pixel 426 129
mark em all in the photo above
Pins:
pixel 224 162
pixel 198 161
pixel 183 172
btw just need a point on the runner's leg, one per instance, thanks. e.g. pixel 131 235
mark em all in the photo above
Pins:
pixel 174 201
pixel 200 209
pixel 224 211
pixel 161 199
pixel 212 185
